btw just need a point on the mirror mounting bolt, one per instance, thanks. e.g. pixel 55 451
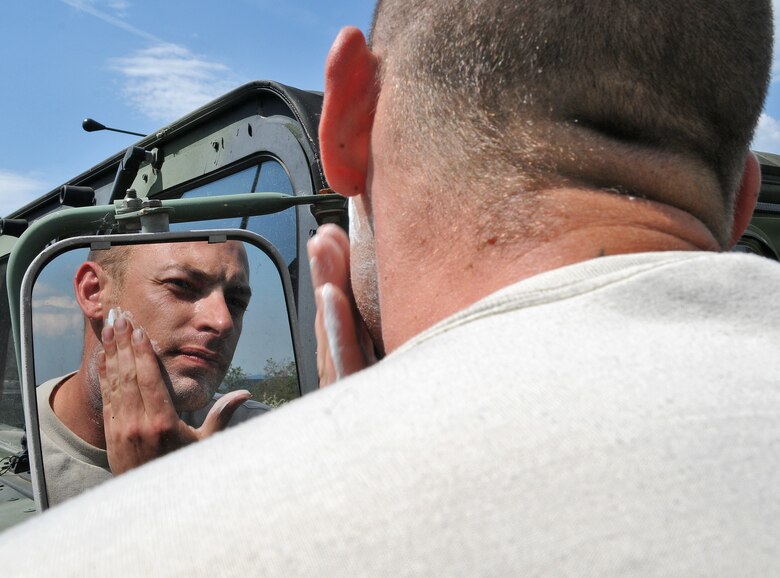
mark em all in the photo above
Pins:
pixel 330 211
pixel 144 215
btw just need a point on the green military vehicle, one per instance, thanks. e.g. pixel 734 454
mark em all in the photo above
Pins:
pixel 245 167
pixel 762 236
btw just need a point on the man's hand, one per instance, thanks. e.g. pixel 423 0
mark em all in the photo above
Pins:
pixel 139 418
pixel 343 343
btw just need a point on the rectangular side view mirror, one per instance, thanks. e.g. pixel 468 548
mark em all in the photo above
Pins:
pixel 217 306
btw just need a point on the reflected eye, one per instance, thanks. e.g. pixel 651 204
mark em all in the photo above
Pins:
pixel 181 285
pixel 237 303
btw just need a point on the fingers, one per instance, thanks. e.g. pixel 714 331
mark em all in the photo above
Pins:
pixel 338 327
pixel 219 415
pixel 329 258
pixel 140 421
pixel 120 380
pixel 344 349
pixel 154 394
pixel 325 368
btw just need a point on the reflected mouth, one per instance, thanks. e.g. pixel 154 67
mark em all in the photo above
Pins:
pixel 201 356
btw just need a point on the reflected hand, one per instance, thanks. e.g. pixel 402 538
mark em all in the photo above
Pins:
pixel 344 345
pixel 139 418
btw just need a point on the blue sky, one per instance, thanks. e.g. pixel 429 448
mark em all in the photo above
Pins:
pixel 140 64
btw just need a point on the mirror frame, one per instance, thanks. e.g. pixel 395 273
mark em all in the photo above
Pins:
pixel 27 373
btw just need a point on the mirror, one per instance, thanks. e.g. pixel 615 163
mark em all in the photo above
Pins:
pixel 216 306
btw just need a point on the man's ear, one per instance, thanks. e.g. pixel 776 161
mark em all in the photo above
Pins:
pixel 89 284
pixel 351 93
pixel 747 196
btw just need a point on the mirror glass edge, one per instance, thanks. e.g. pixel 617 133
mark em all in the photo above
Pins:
pixel 27 371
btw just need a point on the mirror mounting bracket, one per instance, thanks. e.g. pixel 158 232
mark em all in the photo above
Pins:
pixel 333 210
pixel 144 215
pixel 61 224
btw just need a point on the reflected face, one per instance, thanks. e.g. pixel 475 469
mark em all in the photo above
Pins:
pixel 190 299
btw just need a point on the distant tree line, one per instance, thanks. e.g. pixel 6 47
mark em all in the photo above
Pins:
pixel 278 385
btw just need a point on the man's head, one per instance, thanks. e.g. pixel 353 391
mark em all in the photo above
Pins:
pixel 516 89
pixel 464 116
pixel 189 298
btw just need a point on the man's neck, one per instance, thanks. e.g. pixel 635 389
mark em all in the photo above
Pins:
pixel 72 404
pixel 452 274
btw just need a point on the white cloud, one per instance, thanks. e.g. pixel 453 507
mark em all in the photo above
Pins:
pixel 57 302
pixel 119 7
pixel 57 324
pixel 767 137
pixel 16 190
pixel 55 315
pixel 167 81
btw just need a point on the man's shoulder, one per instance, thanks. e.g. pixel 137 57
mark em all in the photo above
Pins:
pixel 246 410
pixel 621 280
pixel 48 386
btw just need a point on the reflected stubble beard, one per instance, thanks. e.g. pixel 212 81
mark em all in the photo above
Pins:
pixel 191 389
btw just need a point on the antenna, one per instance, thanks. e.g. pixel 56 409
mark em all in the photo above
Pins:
pixel 91 125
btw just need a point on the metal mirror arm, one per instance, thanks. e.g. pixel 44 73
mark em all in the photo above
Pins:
pixel 102 217
pixel 129 165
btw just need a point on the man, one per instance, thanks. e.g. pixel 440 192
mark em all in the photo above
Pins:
pixel 576 382
pixel 190 298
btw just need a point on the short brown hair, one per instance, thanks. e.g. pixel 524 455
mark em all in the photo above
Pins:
pixel 113 261
pixel 687 77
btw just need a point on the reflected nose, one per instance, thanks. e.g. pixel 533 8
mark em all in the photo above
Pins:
pixel 213 314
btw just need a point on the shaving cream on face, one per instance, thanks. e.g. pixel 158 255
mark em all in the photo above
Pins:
pixel 354 221
pixel 333 328
pixel 113 315
pixel 363 271
pixel 116 312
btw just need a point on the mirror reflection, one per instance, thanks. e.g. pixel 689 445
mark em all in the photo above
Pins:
pixel 213 319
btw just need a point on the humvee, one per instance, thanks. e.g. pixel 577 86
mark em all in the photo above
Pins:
pixel 245 166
